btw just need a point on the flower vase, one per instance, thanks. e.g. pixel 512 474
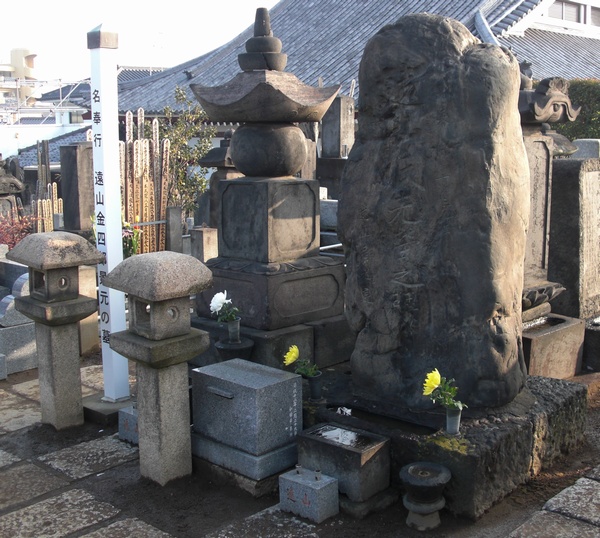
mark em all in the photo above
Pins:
pixel 314 387
pixel 453 421
pixel 233 327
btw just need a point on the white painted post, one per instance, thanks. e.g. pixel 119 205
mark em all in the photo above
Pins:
pixel 107 193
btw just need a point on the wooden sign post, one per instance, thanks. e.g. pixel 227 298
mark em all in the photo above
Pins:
pixel 107 194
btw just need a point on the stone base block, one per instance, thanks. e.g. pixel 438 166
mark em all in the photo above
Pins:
pixel 251 407
pixel 497 450
pixel 222 476
pixel 101 412
pixel 333 341
pixel 359 459
pixel 303 494
pixel 553 346
pixel 18 345
pixel 128 425
pixel 378 502
pixel 269 346
pixel 277 295
pixel 328 341
pixel 248 465
pixel 591 345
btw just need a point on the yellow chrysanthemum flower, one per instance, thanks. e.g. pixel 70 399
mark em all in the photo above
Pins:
pixel 432 382
pixel 291 356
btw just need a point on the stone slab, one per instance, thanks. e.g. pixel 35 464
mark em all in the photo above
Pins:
pixel 19 347
pixel 569 501
pixel 301 493
pixel 57 517
pixel 359 459
pixel 31 389
pixel 547 524
pixel 3 367
pixel 90 457
pixel 26 481
pixel 6 458
pixel 555 347
pixel 17 412
pixel 128 425
pixel 247 406
pixel 128 528
pixel 249 465
pixel 99 411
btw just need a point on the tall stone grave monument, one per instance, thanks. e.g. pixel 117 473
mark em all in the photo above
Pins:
pixel 433 214
pixel 269 260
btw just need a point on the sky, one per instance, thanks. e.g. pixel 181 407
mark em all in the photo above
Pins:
pixel 151 34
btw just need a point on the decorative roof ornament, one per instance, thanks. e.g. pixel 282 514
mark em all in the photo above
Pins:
pixel 548 103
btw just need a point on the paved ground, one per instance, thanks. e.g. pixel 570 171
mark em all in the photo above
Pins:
pixel 85 482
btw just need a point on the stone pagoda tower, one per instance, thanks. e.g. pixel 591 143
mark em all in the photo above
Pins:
pixel 269 260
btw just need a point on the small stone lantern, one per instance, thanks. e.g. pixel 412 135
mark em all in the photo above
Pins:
pixel 55 305
pixel 160 339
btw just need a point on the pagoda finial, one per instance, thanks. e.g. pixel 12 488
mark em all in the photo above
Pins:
pixel 262 23
pixel 263 51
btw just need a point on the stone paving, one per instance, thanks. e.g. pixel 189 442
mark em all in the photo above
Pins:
pixel 41 495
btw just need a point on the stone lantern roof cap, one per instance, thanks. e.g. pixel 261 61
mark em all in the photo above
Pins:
pixel 159 276
pixel 54 250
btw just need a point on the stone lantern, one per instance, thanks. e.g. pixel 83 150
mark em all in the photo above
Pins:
pixel 160 340
pixel 55 305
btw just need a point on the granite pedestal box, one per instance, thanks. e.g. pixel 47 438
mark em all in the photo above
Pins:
pixel 246 417
pixel 360 460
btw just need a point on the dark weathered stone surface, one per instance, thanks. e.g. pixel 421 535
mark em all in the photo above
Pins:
pixel 281 149
pixel 269 221
pixel 497 449
pixel 433 212
pixel 276 295
pixel 574 257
